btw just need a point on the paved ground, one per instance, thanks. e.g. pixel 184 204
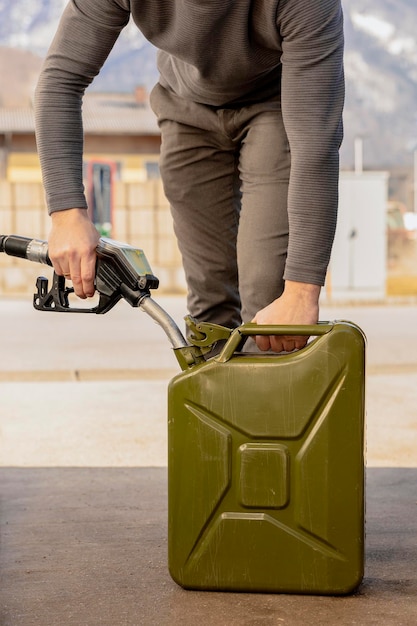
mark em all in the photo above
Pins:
pixel 83 477
pixel 87 547
pixel 90 390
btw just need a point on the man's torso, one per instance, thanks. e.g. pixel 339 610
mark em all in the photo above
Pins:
pixel 214 51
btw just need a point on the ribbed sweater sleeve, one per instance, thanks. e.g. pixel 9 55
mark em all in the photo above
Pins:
pixel 312 101
pixel 76 55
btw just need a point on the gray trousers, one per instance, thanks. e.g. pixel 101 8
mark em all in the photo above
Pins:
pixel 225 173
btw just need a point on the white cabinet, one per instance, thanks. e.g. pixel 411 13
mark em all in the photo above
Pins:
pixel 357 268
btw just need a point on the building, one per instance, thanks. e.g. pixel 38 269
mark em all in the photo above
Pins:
pixel 119 129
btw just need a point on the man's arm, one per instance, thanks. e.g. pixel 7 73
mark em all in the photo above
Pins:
pixel 85 36
pixel 312 104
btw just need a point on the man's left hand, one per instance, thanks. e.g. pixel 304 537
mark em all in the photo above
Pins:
pixel 298 305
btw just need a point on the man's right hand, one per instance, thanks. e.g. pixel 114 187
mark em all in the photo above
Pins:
pixel 72 249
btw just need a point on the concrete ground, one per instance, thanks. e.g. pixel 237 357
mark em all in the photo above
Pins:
pixel 83 477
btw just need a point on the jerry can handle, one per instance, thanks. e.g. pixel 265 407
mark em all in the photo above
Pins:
pixel 246 330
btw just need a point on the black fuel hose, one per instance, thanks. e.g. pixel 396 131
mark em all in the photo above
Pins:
pixel 25 248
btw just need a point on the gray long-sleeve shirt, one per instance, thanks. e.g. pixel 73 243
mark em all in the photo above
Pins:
pixel 217 52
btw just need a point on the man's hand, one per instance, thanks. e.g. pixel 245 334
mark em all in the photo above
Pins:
pixel 299 304
pixel 72 249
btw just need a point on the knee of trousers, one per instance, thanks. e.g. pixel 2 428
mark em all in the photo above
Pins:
pixel 259 285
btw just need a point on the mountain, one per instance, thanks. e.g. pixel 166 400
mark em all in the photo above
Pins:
pixel 30 25
pixel 380 64
pixel 381 80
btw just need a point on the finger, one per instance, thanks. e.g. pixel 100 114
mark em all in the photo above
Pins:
pixel 60 263
pixel 278 343
pixel 62 272
pixel 57 266
pixel 293 343
pixel 74 272
pixel 263 342
pixel 288 345
pixel 82 271
pixel 300 342
pixel 77 283
pixel 88 274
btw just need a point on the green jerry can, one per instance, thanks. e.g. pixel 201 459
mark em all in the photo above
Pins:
pixel 266 466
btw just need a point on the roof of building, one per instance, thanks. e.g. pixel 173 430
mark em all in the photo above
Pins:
pixel 16 120
pixel 103 113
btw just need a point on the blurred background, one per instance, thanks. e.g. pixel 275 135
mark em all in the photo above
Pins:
pixel 375 252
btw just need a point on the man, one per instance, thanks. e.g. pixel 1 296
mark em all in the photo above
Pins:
pixel 249 104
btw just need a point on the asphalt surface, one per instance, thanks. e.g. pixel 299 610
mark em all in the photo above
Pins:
pixel 83 476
